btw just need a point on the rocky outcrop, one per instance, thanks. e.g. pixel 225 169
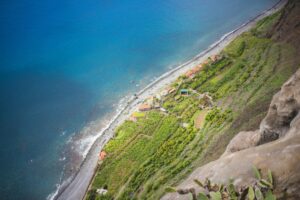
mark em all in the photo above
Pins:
pixel 283 111
pixel 284 108
pixel 243 140
pixel 275 146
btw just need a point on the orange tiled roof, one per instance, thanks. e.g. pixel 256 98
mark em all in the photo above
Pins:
pixel 144 107
pixel 193 71
pixel 102 155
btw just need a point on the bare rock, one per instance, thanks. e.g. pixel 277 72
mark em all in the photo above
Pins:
pixel 243 140
pixel 284 108
pixel 276 145
pixel 281 156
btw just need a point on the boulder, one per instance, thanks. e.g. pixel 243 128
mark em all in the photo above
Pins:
pixel 283 109
pixel 243 140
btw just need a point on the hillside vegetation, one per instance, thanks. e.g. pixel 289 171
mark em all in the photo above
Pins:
pixel 162 148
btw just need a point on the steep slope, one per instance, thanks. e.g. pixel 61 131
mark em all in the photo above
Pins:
pixel 276 144
pixel 281 156
pixel 161 149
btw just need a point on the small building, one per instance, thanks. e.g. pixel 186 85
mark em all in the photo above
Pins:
pixel 102 155
pixel 150 100
pixel 171 90
pixel 101 191
pixel 167 91
pixel 185 125
pixel 163 110
pixel 144 107
pixel 156 105
pixel 206 61
pixel 191 73
pixel 206 100
pixel 214 58
pixel 184 92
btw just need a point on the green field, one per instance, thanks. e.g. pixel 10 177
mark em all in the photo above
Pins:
pixel 160 149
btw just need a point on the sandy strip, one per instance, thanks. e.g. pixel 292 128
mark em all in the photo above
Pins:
pixel 78 186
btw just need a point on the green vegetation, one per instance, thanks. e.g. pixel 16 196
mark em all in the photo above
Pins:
pixel 138 114
pixel 262 189
pixel 160 149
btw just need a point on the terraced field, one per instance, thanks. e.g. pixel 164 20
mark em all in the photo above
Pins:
pixel 162 148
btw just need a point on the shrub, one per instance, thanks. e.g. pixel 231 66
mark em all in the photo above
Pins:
pixel 261 190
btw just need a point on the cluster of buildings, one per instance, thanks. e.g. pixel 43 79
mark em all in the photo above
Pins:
pixel 191 73
pixel 154 102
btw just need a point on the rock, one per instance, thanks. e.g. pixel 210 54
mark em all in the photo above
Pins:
pixel 281 156
pixel 283 109
pixel 275 146
pixel 243 140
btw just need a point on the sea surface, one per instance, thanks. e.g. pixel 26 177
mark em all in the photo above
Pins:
pixel 65 65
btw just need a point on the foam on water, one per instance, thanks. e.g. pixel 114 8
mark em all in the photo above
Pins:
pixel 80 144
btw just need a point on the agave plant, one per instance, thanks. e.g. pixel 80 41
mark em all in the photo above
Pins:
pixel 262 189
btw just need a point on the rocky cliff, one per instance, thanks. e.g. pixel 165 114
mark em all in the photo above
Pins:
pixel 275 145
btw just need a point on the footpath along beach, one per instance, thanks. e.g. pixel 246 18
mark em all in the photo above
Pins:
pixel 77 187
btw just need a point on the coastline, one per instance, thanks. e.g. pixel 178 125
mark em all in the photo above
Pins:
pixel 79 184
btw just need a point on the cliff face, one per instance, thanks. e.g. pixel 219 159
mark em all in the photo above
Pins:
pixel 275 146
pixel 282 118
pixel 283 113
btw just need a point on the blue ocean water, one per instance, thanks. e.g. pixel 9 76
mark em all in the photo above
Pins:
pixel 65 63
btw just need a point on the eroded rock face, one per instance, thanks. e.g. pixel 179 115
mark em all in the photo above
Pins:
pixel 275 146
pixel 283 109
pixel 243 140
pixel 281 156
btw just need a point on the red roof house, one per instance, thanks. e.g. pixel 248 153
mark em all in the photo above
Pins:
pixel 102 155
pixel 191 73
pixel 144 107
